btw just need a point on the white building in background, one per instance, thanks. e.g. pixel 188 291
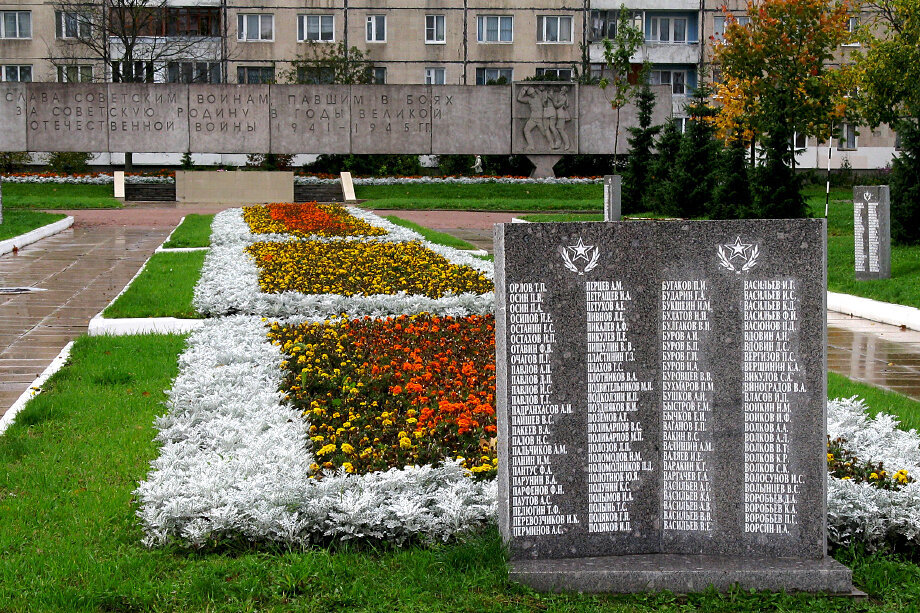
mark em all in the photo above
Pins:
pixel 410 41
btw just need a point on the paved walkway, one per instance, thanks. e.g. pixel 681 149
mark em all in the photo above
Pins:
pixel 83 268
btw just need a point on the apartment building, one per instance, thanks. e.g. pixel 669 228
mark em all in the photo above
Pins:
pixel 466 42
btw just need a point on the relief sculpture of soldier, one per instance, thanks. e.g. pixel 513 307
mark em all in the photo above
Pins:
pixel 549 112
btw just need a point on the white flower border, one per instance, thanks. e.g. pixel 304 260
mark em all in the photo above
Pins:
pixel 229 280
pixel 235 460
pixel 859 512
pixel 102 179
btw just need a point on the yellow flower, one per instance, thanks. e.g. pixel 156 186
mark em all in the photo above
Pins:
pixel 326 449
pixel 830 457
pixel 348 467
pixel 873 476
pixel 348 448
pixel 405 443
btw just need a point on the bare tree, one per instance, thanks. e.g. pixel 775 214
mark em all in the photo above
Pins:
pixel 138 41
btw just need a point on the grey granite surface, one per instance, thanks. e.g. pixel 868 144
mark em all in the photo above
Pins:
pixel 613 197
pixel 661 388
pixel 872 232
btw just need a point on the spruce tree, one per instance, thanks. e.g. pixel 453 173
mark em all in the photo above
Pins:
pixel 693 178
pixel 638 164
pixel 732 196
pixel 657 196
pixel 905 186
pixel 775 186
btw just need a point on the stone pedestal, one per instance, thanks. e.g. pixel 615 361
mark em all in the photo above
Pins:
pixel 118 183
pixel 682 574
pixel 613 189
pixel 348 187
pixel 872 232
pixel 661 404
pixel 543 166
pixel 234 186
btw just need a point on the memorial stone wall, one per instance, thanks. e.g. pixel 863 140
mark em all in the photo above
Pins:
pixel 661 391
pixel 872 232
pixel 531 118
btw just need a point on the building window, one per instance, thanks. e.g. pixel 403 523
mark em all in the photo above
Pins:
pixel 75 74
pixel 379 75
pixel 316 75
pixel 132 72
pixel 15 24
pixel 495 29
pixel 255 27
pixel 554 29
pixel 193 21
pixel 71 25
pixel 556 74
pixel 603 25
pixel 718 25
pixel 847 138
pixel 434 29
pixel 193 72
pixel 799 141
pixel 493 76
pixel 677 79
pixel 376 28
pixel 22 74
pixel 320 28
pixel 667 29
pixel 255 75
pixel 435 76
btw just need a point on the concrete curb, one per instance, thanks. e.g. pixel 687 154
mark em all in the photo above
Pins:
pixel 161 249
pixel 35 235
pixel 7 419
pixel 99 326
pixel 874 310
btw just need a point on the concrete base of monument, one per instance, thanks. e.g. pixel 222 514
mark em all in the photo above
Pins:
pixel 543 166
pixel 682 574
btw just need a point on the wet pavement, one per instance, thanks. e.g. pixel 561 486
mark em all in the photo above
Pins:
pixel 83 268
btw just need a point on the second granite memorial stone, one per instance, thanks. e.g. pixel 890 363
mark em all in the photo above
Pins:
pixel 661 392
pixel 872 232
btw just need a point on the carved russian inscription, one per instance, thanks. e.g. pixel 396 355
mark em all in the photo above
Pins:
pixel 872 232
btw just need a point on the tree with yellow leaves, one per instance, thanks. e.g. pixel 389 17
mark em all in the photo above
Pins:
pixel 778 80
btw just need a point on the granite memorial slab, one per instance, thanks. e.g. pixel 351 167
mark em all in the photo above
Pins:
pixel 393 119
pixel 661 390
pixel 872 232
pixel 229 118
pixel 310 118
pixel 544 118
pixel 613 190
pixel 154 119
pixel 471 122
pixel 72 118
pixel 12 117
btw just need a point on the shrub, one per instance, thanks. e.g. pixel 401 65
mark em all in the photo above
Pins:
pixel 69 162
pixel 905 186
pixel 269 161
pixel 11 161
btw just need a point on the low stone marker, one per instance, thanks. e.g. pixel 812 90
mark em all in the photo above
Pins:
pixel 118 182
pixel 613 189
pixel 661 400
pixel 348 187
pixel 872 231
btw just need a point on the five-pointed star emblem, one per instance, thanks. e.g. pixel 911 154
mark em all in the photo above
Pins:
pixel 737 248
pixel 581 249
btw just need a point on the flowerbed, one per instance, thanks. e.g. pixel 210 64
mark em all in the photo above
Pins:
pixel 235 462
pixel 230 281
pixel 311 179
pixel 396 392
pixel 307 220
pixel 348 268
pixel 95 178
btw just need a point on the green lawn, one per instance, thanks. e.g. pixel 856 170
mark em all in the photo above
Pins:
pixel 194 231
pixel 904 285
pixel 431 235
pixel 484 196
pixel 58 196
pixel 16 222
pixel 907 410
pixel 163 289
pixel 71 541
